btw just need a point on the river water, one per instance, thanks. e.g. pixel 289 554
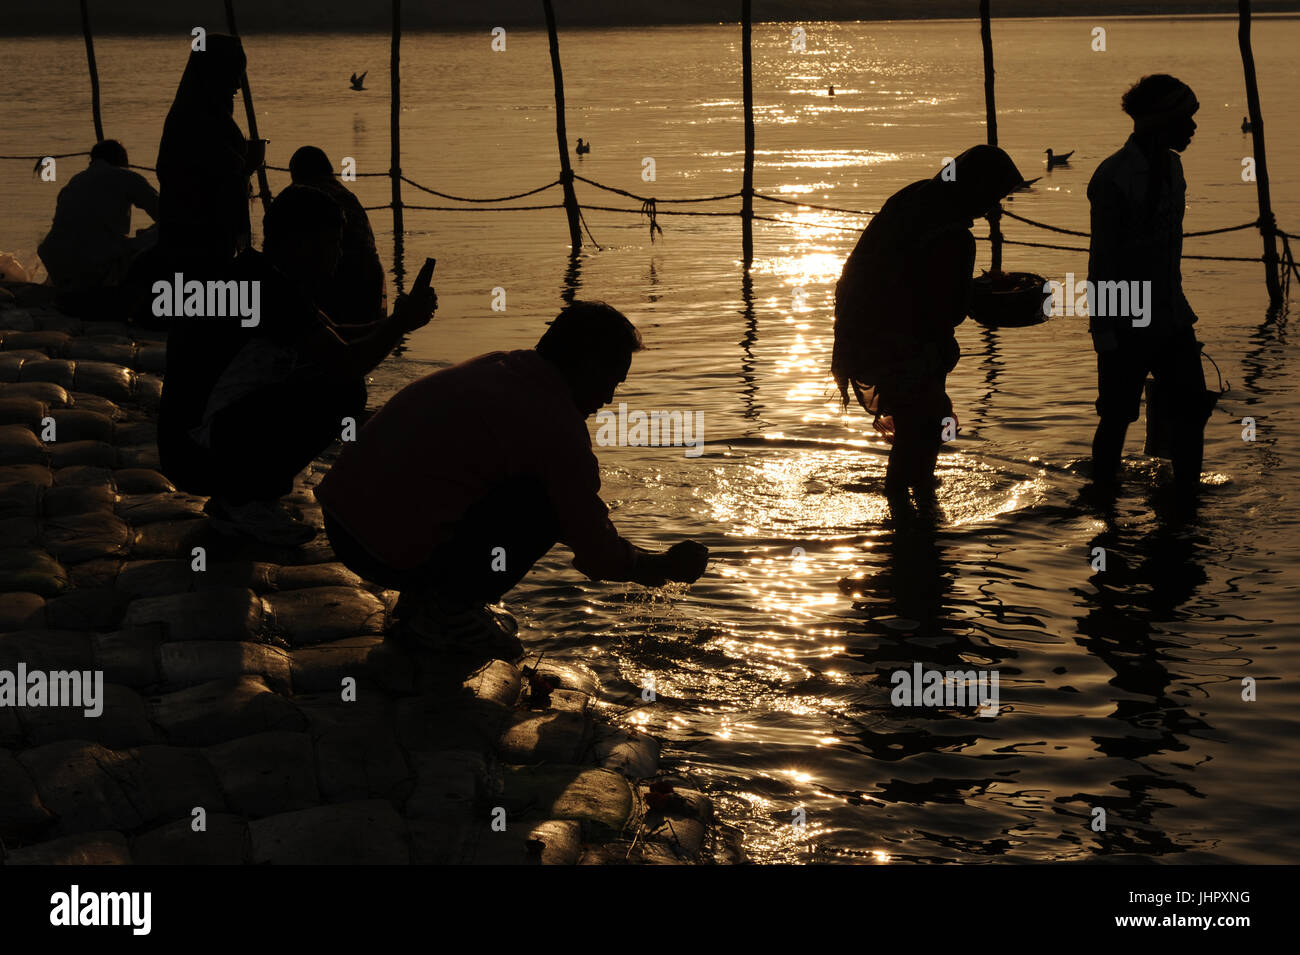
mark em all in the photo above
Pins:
pixel 1120 690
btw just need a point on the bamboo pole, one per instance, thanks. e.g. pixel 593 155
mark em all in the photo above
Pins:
pixel 991 121
pixel 94 73
pixel 262 186
pixel 1267 225
pixel 566 171
pixel 747 188
pixel 395 133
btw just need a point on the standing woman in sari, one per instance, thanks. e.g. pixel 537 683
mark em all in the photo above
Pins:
pixel 204 163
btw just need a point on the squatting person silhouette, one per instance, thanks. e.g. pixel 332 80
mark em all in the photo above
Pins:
pixel 904 290
pixel 1138 197
pixel 468 476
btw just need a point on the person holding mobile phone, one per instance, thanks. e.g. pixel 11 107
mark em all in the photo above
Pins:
pixel 250 399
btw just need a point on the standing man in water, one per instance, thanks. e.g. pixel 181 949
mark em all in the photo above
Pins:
pixel 1138 196
pixel 904 290
pixel 468 476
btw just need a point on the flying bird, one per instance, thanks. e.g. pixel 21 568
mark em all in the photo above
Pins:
pixel 357 81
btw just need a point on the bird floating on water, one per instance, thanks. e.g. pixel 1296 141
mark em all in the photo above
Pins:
pixel 831 91
pixel 1055 160
pixel 1027 183
pixel 583 148
pixel 357 81
pixel 1246 125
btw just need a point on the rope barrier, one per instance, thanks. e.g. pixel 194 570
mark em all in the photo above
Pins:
pixel 557 205
pixel 46 156
pixel 1186 235
pixel 633 195
pixel 650 208
pixel 810 205
pixel 444 195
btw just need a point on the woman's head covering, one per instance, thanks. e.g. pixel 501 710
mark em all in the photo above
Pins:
pixel 980 177
pixel 202 157
pixel 213 75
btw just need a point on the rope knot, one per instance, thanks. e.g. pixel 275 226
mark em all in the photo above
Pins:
pixel 648 209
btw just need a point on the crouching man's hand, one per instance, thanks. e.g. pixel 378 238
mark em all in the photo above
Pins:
pixel 414 311
pixel 683 562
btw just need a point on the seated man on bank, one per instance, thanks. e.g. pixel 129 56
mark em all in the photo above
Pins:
pixel 355 293
pixel 89 247
pixel 247 403
pixel 468 476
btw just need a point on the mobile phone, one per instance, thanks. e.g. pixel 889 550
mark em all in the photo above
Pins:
pixel 423 280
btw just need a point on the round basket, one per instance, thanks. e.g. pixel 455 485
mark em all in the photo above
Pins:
pixel 1009 300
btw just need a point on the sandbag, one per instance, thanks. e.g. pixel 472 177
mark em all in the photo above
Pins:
pixel 124 721
pixel 78 424
pixel 28 412
pixel 43 391
pixel 56 370
pixel 83 848
pixel 20 611
pixel 32 570
pixel 22 817
pixel 598 797
pixel 53 344
pixel 77 537
pixel 83 475
pixel 175 779
pixel 37 474
pixel 84 401
pixel 140 509
pixel 225 614
pixel 548 737
pixel 128 434
pixel 357 833
pixel 102 378
pixel 222 710
pixel 142 481
pixel 266 773
pixel 322 614
pixel 128 657
pixel 97 574
pixel 189 662
pixel 90 349
pixel 98 454
pixel 20 499
pixel 75 782
pixel 70 499
pixel 18 445
pixel 635 755
pixel 357 756
pixel 224 842
pixel 21 532
pixel 86 609
pixel 169 539
pixel 151 359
